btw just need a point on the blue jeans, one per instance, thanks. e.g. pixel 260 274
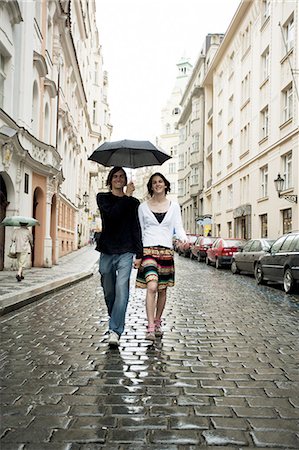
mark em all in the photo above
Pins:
pixel 115 273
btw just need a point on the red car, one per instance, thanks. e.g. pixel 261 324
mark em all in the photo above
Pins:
pixel 223 250
pixel 200 247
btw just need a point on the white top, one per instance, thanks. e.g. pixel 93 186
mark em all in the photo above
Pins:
pixel 23 240
pixel 155 233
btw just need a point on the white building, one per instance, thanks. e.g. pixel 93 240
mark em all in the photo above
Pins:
pixel 169 137
pixel 191 139
pixel 251 123
pixel 54 112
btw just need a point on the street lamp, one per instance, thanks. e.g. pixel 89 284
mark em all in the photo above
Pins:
pixel 279 183
pixel 85 202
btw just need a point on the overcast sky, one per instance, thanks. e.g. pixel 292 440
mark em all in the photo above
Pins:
pixel 142 41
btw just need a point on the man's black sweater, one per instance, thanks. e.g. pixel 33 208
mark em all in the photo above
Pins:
pixel 121 231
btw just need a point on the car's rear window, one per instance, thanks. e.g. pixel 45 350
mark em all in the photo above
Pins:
pixel 233 243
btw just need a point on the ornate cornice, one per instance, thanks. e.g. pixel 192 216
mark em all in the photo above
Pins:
pixel 13 10
pixel 40 63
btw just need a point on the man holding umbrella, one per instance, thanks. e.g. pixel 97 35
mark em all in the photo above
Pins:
pixel 120 240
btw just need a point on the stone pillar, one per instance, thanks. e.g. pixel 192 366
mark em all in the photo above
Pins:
pixel 48 239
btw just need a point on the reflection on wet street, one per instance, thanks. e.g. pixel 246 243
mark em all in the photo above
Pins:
pixel 224 374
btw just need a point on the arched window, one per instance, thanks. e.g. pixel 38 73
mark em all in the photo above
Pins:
pixel 47 124
pixel 35 109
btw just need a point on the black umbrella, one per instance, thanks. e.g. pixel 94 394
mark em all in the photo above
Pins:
pixel 129 153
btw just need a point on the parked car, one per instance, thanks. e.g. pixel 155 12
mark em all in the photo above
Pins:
pixel 199 248
pixel 246 259
pixel 281 263
pixel 223 250
pixel 184 247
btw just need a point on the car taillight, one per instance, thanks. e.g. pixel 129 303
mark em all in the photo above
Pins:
pixel 227 251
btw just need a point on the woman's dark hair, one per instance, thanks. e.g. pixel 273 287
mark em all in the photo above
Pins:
pixel 150 183
pixel 111 173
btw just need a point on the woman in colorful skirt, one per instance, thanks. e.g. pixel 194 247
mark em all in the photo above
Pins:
pixel 160 219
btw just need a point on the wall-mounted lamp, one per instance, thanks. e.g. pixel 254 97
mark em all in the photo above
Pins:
pixel 279 183
pixel 84 203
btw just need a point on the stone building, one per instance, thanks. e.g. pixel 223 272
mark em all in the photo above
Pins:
pixel 251 123
pixel 169 138
pixel 191 139
pixel 247 127
pixel 54 112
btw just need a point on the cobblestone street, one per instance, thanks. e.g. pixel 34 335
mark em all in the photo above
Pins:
pixel 224 376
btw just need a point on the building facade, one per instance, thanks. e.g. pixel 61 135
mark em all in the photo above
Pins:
pixel 251 123
pixel 169 138
pixel 247 123
pixel 54 112
pixel 191 139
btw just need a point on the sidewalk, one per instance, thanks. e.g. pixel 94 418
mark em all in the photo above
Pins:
pixel 38 282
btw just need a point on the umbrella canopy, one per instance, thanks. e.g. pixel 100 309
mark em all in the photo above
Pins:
pixel 129 153
pixel 15 221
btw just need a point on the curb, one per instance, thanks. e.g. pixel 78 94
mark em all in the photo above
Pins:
pixel 14 302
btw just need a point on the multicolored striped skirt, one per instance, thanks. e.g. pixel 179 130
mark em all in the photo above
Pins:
pixel 157 265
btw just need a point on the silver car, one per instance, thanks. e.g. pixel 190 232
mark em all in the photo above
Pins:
pixel 245 260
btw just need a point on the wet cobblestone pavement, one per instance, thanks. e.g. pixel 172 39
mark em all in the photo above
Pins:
pixel 224 376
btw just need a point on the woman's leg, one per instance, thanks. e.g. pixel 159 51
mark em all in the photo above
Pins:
pixel 161 301
pixel 150 299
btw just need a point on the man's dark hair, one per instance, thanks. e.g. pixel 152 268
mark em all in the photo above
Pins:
pixel 111 173
pixel 150 182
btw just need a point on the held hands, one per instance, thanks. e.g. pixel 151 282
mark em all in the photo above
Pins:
pixel 137 263
pixel 130 189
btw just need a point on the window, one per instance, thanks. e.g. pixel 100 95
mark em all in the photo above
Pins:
pixel 229 229
pixel 94 113
pixel 264 181
pixel 289 34
pixel 256 246
pixel 2 79
pixel 230 196
pixel 231 108
pixel 287 220
pixel 176 111
pixel 181 162
pixel 288 244
pixel 167 128
pixel 287 106
pixel 265 66
pixel 246 39
pixel 173 187
pixel 266 8
pixel 219 121
pixel 195 143
pixel 264 122
pixel 219 161
pixel 245 88
pixel 196 110
pixel 287 170
pixel 172 167
pixel 231 64
pixel 230 152
pixel 96 71
pixel 219 200
pixel 194 175
pixel 264 225
pixel 26 183
pixel 245 138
